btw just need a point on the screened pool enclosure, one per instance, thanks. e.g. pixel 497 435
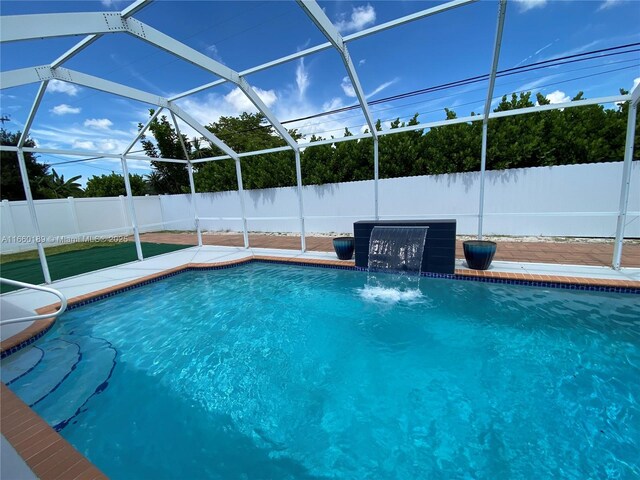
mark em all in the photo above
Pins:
pixel 95 25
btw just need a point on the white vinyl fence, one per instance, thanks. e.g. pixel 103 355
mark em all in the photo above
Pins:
pixel 570 200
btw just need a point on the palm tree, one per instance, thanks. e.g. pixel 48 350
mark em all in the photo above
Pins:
pixel 198 150
pixel 55 186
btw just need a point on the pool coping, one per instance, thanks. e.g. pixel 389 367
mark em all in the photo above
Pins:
pixel 50 456
pixel 46 453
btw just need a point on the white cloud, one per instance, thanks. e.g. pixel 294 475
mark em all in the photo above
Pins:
pixel 608 4
pixel 534 84
pixel 332 104
pixel 360 18
pixel 558 97
pixel 302 78
pixel 381 87
pixel 107 145
pixel 212 51
pixel 362 62
pixel 349 91
pixel 106 3
pixel 64 109
pixel 83 145
pixel 286 104
pixel 99 123
pixel 63 87
pixel 573 51
pixel 526 5
pixel 543 48
pixel 347 88
pixel 210 107
pixel 241 103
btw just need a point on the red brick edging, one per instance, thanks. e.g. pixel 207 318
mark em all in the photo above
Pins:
pixel 46 453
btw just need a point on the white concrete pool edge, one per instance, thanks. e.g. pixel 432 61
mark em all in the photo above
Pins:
pixel 109 277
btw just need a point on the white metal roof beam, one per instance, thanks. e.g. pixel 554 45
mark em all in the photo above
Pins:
pixel 408 18
pixel 132 9
pixel 317 15
pixel 173 46
pixel 85 153
pixel 25 27
pixel 77 48
pixel 32 113
pixel 182 144
pixel 439 123
pixel 193 123
pixel 48 25
pixel 635 95
pixel 44 73
pixel 25 76
pixel 324 46
pixel 142 131
pixel 496 56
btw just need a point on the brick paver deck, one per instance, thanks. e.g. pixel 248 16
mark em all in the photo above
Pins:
pixel 570 252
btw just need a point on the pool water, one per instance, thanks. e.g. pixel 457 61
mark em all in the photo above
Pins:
pixel 281 372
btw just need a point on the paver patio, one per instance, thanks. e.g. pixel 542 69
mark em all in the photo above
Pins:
pixel 566 252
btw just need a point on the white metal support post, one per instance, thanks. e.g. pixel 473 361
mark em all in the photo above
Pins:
pixel 132 209
pixel 192 184
pixel 7 214
pixel 189 120
pixel 74 214
pixel 24 174
pixel 34 219
pixel 319 17
pixel 626 181
pixel 303 241
pixel 502 8
pixel 193 200
pixel 483 168
pixel 243 210
pixel 376 175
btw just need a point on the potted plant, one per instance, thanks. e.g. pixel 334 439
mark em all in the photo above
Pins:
pixel 479 253
pixel 344 247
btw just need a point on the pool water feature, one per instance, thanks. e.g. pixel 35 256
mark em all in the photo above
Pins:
pixel 398 249
pixel 273 371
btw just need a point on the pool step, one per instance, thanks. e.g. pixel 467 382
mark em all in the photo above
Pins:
pixel 88 379
pixel 59 359
pixel 21 363
pixel 58 377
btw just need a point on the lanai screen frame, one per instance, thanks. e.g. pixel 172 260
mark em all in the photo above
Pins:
pixel 96 24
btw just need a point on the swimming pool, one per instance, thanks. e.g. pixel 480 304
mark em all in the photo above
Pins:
pixel 273 371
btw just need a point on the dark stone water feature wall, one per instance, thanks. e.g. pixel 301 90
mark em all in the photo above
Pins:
pixel 439 249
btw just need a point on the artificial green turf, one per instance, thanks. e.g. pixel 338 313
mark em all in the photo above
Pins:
pixel 68 264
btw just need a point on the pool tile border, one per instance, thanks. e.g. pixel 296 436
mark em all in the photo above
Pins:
pixel 28 335
pixel 51 457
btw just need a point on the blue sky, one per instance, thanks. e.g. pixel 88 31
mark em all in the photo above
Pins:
pixel 240 34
